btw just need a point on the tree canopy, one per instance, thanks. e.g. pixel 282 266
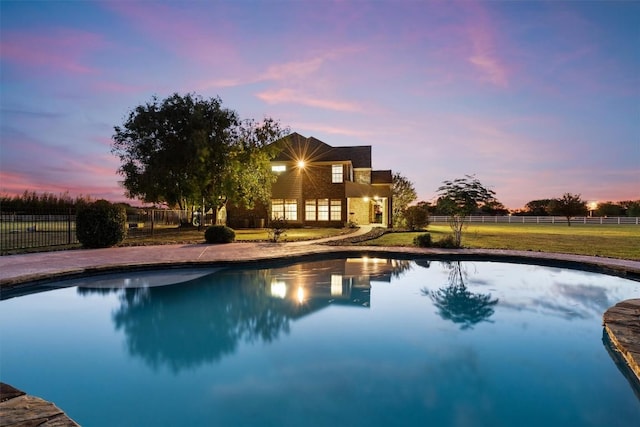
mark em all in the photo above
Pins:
pixel 569 205
pixel 403 194
pixel 460 198
pixel 186 151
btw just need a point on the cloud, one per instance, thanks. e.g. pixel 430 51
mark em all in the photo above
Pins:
pixel 484 51
pixel 189 34
pixel 58 49
pixel 289 96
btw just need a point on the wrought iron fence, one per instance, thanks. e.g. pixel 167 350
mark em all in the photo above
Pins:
pixel 37 229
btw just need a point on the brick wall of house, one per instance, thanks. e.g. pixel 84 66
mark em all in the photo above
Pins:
pixel 362 176
pixel 360 210
pixel 317 183
pixel 288 185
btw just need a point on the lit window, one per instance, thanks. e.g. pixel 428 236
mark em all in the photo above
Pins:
pixel 310 210
pixel 284 208
pixel 291 209
pixel 336 173
pixel 336 210
pixel 278 168
pixel 323 209
pixel 277 208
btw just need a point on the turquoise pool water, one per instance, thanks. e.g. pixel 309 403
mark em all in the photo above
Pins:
pixel 344 342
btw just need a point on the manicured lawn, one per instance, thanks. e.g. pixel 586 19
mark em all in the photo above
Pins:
pixel 175 235
pixel 616 241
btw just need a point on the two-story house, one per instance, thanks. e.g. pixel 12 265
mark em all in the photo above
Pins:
pixel 320 185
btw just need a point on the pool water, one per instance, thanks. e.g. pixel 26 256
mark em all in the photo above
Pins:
pixel 341 342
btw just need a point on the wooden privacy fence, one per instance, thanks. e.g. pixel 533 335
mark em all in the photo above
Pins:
pixel 513 219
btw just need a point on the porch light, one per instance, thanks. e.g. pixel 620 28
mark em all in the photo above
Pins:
pixel 301 164
pixel 366 199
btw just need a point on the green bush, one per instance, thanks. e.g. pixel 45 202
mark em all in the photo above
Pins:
pixel 219 234
pixel 422 240
pixel 416 217
pixel 447 242
pixel 101 224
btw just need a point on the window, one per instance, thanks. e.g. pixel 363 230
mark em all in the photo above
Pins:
pixel 336 173
pixel 310 210
pixel 284 208
pixel 291 209
pixel 336 210
pixel 277 208
pixel 278 168
pixel 323 209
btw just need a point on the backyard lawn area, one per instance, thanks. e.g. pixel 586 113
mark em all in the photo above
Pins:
pixel 615 241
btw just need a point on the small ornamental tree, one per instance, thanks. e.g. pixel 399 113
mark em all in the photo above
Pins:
pixel 101 224
pixel 403 194
pixel 460 198
pixel 569 205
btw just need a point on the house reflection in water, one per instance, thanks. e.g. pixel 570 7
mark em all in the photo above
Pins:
pixel 312 286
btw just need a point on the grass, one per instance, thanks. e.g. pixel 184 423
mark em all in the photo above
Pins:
pixel 615 241
pixel 192 235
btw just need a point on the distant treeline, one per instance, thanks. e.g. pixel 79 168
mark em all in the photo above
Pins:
pixel 545 207
pixel 30 200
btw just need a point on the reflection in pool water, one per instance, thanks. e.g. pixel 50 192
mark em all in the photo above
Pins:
pixel 335 342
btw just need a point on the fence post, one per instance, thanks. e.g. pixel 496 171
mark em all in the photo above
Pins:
pixel 153 214
pixel 69 226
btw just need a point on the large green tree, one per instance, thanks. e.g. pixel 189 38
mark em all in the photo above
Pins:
pixel 569 205
pixel 188 151
pixel 403 193
pixel 538 207
pixel 460 198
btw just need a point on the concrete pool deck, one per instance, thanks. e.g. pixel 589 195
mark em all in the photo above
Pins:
pixel 21 273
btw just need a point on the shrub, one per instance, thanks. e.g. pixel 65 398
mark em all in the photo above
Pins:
pixel 447 242
pixel 277 229
pixel 416 217
pixel 101 224
pixel 219 234
pixel 422 240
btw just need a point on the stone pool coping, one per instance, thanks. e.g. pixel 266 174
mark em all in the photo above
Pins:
pixel 19 409
pixel 24 269
pixel 24 273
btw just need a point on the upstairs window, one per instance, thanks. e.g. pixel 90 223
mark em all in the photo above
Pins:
pixel 278 168
pixel 336 174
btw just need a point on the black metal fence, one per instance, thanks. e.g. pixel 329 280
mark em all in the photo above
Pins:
pixel 36 229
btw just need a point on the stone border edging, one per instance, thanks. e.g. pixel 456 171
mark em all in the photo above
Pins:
pixel 622 325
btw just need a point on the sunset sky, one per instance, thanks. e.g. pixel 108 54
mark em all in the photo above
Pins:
pixel 535 98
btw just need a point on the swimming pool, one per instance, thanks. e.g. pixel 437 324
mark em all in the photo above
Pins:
pixel 353 341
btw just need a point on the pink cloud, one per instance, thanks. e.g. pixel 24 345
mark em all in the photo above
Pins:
pixel 189 35
pixel 59 49
pixel 484 49
pixel 289 96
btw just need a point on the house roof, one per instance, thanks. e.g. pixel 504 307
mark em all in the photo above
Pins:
pixel 295 147
pixel 381 177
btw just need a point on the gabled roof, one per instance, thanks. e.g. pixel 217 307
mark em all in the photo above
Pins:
pixel 295 147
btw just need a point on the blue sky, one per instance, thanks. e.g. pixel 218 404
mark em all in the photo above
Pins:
pixel 534 98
